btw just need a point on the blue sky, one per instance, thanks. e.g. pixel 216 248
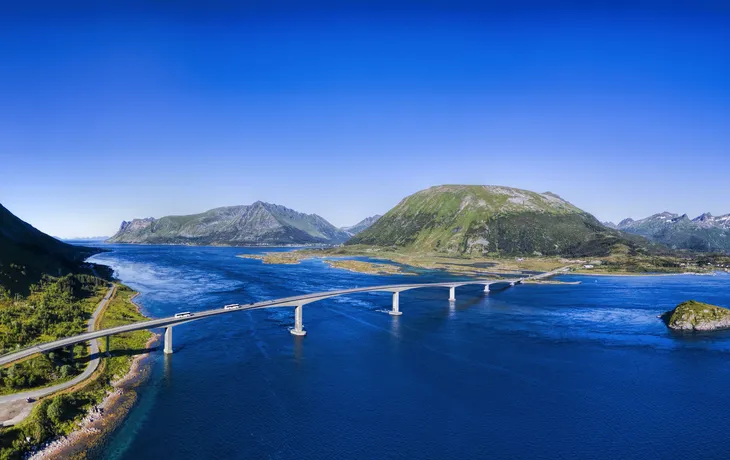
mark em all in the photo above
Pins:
pixel 111 112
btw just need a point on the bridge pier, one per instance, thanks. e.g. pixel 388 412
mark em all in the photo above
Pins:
pixel 452 293
pixel 168 340
pixel 396 307
pixel 108 347
pixel 298 327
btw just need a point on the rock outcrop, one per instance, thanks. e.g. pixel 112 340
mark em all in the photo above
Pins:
pixel 697 316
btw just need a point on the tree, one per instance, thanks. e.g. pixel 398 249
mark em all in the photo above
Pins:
pixel 58 408
pixel 66 370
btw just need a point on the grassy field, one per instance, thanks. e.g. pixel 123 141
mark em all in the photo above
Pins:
pixel 60 414
pixel 618 263
pixel 295 257
pixel 366 267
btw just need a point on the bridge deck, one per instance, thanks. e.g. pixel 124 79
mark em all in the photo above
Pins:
pixel 284 302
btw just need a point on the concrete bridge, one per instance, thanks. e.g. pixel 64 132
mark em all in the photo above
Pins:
pixel 297 302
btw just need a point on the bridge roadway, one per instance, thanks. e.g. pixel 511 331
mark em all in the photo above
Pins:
pixel 295 301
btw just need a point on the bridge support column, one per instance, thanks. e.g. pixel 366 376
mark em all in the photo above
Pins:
pixel 486 288
pixel 452 293
pixel 396 307
pixel 108 347
pixel 298 327
pixel 168 340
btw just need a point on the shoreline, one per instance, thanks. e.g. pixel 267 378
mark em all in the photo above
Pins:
pixel 640 274
pixel 470 269
pixel 103 419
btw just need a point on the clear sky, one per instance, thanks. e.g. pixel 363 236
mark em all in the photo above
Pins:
pixel 115 111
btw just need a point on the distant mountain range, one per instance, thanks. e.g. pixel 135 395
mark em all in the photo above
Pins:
pixel 705 233
pixel 362 225
pixel 26 254
pixel 259 224
pixel 484 219
pixel 453 219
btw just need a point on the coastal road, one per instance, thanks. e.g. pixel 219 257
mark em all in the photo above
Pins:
pixel 14 408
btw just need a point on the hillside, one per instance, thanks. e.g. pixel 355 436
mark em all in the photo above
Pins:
pixel 705 233
pixel 26 254
pixel 480 220
pixel 260 224
pixel 362 225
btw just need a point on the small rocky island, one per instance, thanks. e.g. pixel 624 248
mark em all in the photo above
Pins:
pixel 697 316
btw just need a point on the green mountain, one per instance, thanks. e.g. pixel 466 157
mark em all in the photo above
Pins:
pixel 705 233
pixel 260 224
pixel 480 220
pixel 27 254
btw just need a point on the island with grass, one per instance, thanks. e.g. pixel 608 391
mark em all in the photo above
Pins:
pixel 358 266
pixel 697 316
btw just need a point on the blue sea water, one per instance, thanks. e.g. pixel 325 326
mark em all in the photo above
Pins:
pixel 536 371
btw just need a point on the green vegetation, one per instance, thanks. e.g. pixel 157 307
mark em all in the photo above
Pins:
pixel 258 224
pixel 55 308
pixel 276 258
pixel 122 311
pixel 621 261
pixel 366 267
pixel 295 257
pixel 693 315
pixel 59 415
pixel 493 222
pixel 27 255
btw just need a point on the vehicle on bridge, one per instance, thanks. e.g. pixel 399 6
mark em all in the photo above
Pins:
pixel 297 302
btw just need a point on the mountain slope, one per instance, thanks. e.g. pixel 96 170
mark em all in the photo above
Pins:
pixel 476 220
pixel 705 233
pixel 362 225
pixel 26 254
pixel 258 224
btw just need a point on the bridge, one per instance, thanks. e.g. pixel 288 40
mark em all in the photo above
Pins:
pixel 297 302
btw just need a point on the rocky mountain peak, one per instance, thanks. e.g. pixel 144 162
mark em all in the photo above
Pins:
pixel 260 223
pixel 703 218
pixel 362 225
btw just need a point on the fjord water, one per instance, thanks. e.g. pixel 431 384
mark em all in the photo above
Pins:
pixel 537 371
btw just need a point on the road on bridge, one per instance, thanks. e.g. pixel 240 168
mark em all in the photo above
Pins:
pixel 294 301
pixel 16 404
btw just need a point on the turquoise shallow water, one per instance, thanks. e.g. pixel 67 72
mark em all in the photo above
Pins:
pixel 555 371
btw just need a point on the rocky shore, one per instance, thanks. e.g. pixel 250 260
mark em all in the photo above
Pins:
pixel 697 316
pixel 103 418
